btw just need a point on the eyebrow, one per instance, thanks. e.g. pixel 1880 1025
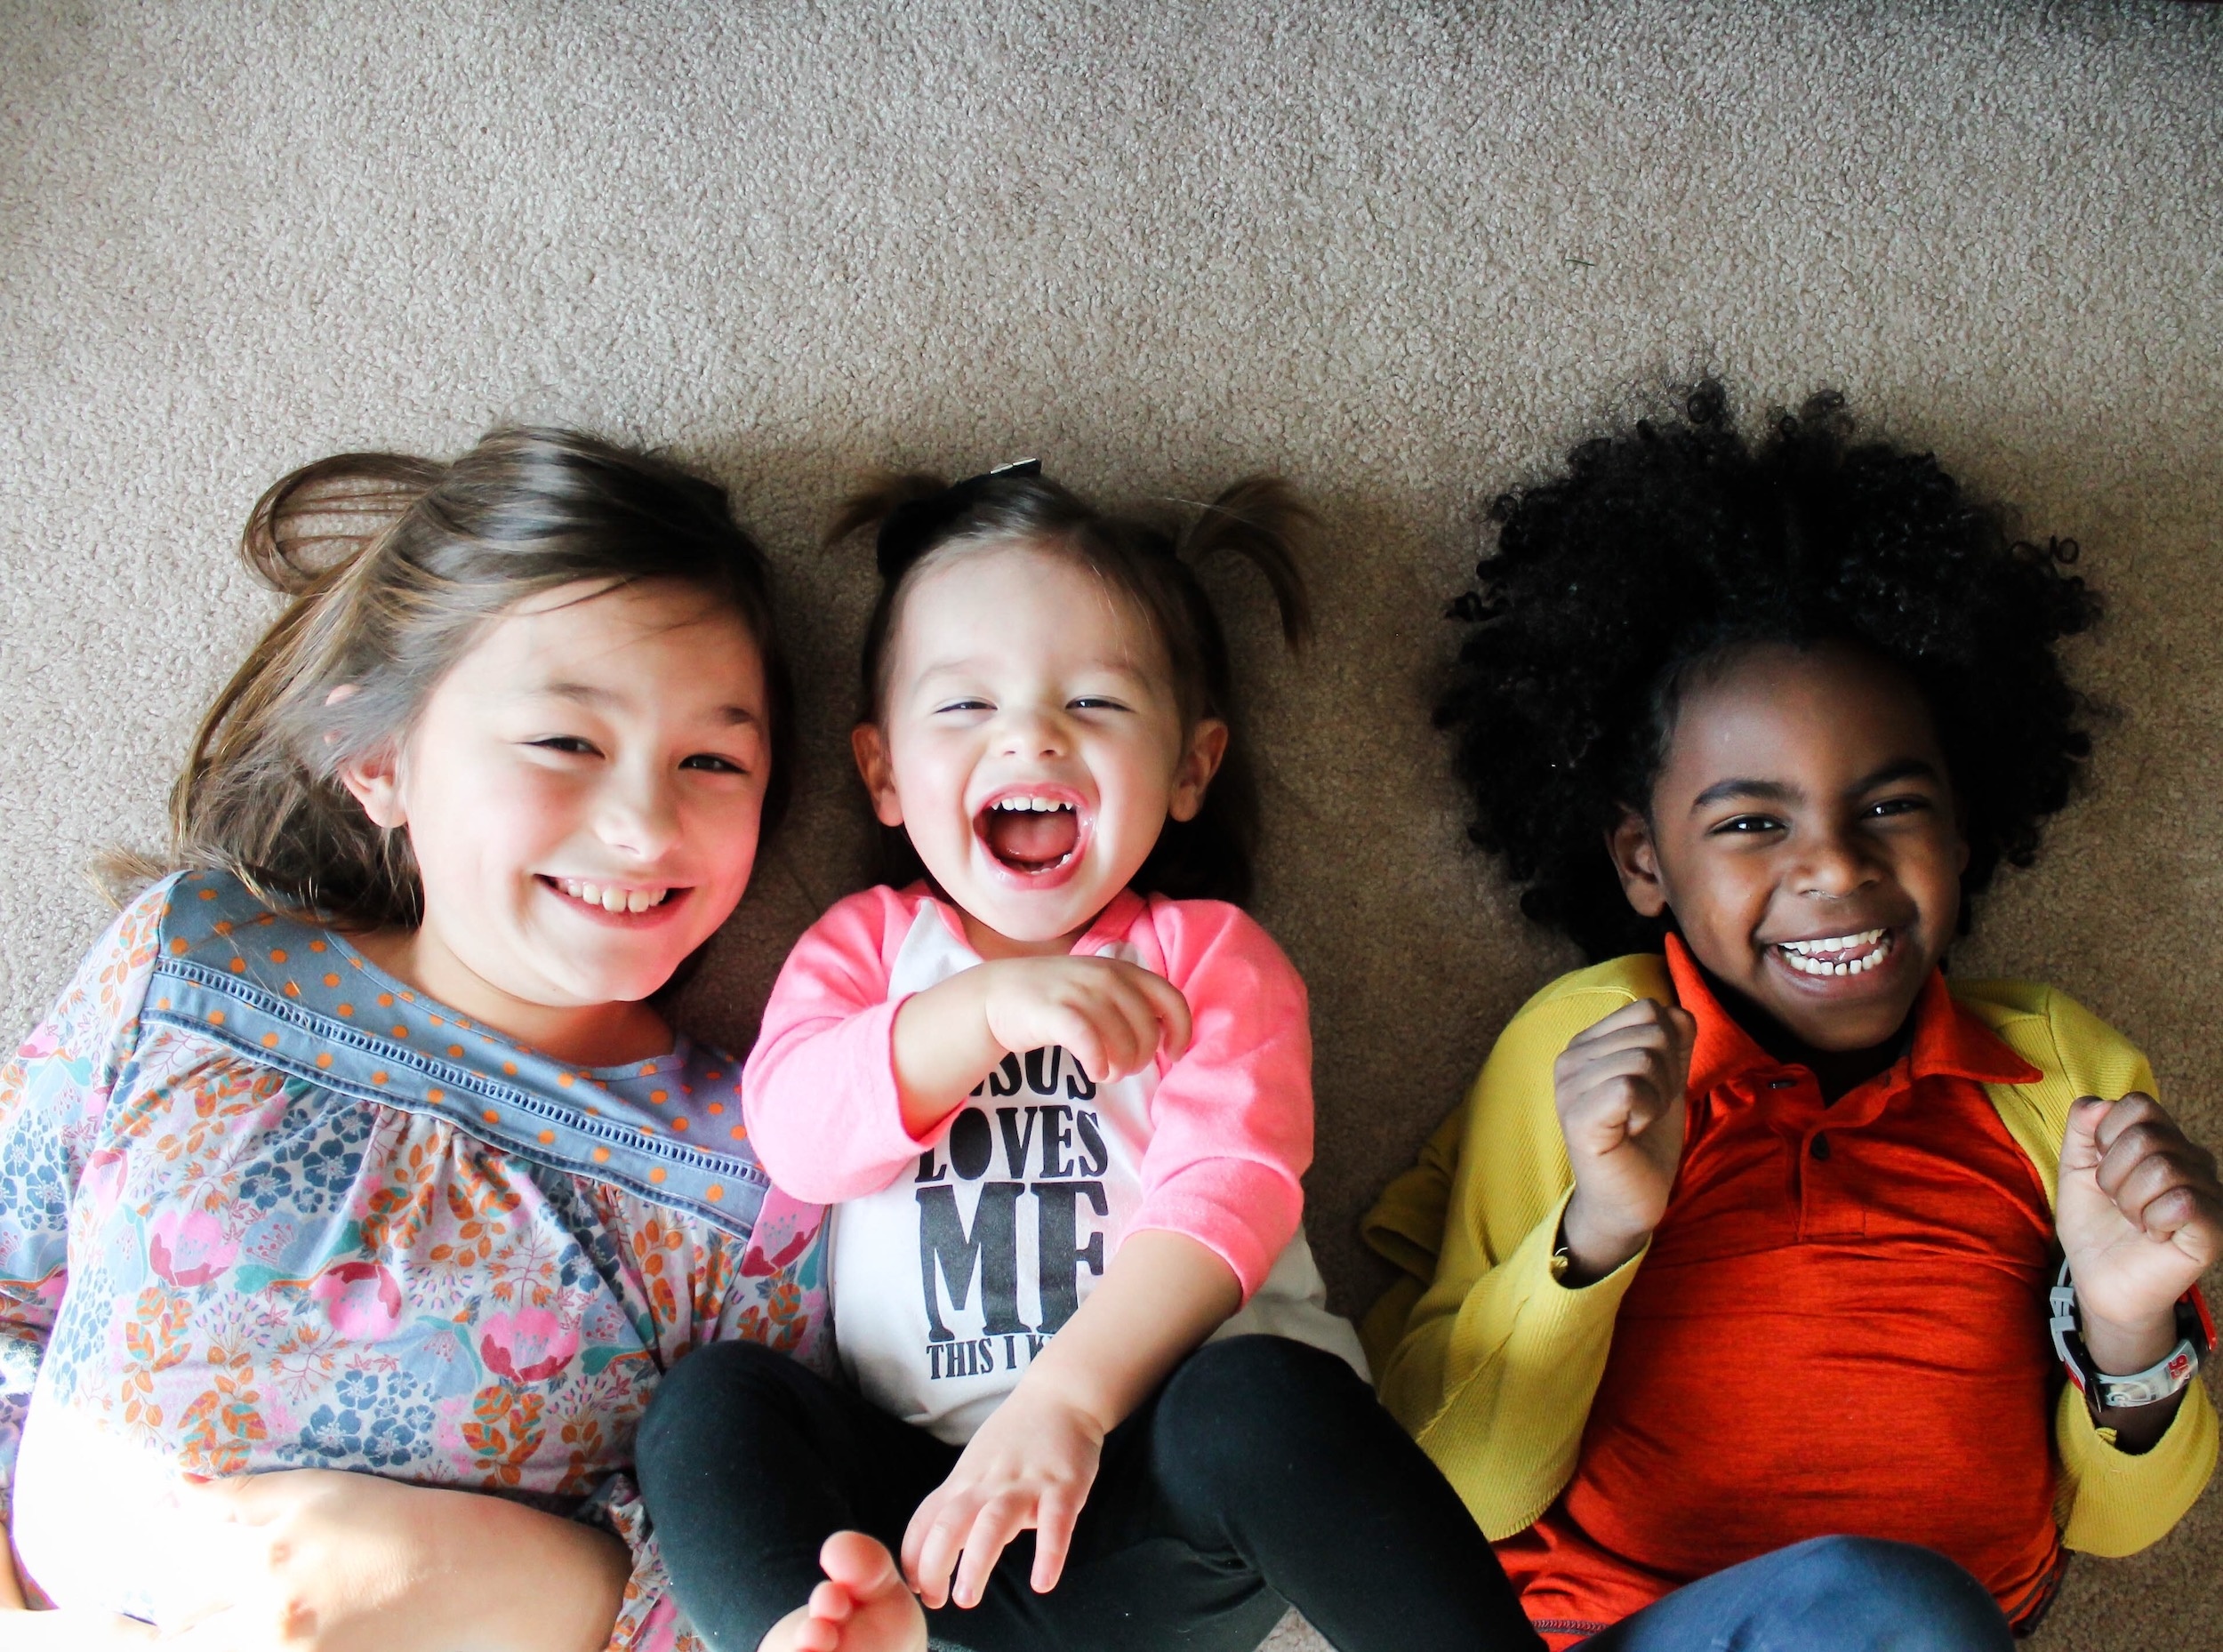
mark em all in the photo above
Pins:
pixel 583 694
pixel 599 698
pixel 1778 792
pixel 1757 791
pixel 1898 769
pixel 960 667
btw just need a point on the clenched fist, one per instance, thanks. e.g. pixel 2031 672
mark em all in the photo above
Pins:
pixel 2140 1217
pixel 1618 1088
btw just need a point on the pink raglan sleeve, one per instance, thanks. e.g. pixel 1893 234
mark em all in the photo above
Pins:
pixel 819 1089
pixel 1231 1124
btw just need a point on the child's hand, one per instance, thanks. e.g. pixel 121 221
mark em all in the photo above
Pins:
pixel 2140 1217
pixel 1113 1016
pixel 1031 1465
pixel 317 1560
pixel 1619 1090
pixel 1110 1016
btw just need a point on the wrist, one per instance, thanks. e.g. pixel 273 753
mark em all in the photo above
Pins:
pixel 1595 1248
pixel 943 1046
pixel 1050 1385
pixel 2121 1348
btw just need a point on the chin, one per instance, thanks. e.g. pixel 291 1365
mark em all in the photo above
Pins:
pixel 624 986
pixel 1029 927
pixel 1844 1026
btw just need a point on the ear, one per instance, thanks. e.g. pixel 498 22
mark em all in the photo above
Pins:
pixel 374 780
pixel 869 745
pixel 1201 758
pixel 1636 858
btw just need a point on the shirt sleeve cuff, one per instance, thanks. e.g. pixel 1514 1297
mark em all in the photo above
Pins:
pixel 2118 1502
pixel 1525 1290
pixel 1201 1203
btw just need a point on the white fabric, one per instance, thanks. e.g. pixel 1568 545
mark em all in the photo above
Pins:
pixel 1077 1160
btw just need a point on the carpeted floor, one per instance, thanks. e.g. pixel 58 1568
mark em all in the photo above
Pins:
pixel 1403 252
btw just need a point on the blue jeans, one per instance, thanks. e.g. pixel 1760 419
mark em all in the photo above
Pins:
pixel 1828 1594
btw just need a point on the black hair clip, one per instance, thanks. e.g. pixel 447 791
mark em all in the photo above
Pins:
pixel 910 530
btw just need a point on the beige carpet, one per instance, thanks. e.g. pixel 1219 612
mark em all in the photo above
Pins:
pixel 1402 250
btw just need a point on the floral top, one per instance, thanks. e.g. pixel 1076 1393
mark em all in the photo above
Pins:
pixel 263 1208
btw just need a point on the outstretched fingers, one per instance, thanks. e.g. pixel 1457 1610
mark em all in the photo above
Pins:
pixel 931 1543
pixel 1054 1516
pixel 1001 1519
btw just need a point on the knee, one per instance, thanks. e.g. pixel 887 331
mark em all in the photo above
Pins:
pixel 1900 1595
pixel 711 1392
pixel 1248 1403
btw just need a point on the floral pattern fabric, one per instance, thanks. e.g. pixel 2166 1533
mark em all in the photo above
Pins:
pixel 241 1229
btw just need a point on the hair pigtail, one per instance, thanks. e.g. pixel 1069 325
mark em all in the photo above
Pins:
pixel 1262 521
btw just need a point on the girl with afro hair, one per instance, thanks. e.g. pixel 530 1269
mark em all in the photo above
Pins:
pixel 1769 1289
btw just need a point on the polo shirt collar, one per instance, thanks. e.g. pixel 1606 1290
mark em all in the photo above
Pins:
pixel 1949 1040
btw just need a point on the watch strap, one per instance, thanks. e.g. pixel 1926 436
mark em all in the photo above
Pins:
pixel 2166 1376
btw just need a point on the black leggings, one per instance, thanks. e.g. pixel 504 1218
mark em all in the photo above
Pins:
pixel 1262 1475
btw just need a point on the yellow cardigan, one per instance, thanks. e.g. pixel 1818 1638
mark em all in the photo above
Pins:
pixel 1491 1363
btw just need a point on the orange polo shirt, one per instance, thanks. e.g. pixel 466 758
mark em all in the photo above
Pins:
pixel 1840 1328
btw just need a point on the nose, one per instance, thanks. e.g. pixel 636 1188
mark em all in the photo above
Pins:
pixel 1837 864
pixel 639 812
pixel 1033 732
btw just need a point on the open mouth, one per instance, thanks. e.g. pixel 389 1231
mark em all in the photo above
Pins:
pixel 1854 954
pixel 614 900
pixel 1031 833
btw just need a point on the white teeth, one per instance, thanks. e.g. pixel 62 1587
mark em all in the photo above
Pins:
pixel 1023 806
pixel 1798 954
pixel 611 899
pixel 1835 943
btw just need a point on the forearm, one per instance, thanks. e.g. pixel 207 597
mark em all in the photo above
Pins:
pixel 1162 1295
pixel 539 1583
pixel 1495 1372
pixel 941 1048
pixel 821 1104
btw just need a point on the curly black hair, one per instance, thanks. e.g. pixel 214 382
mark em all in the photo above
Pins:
pixel 1664 547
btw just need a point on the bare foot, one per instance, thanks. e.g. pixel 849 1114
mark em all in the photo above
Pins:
pixel 862 1606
